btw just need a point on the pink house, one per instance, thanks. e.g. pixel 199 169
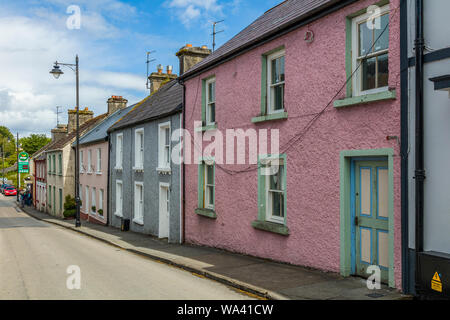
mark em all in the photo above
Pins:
pixel 324 77
pixel 94 158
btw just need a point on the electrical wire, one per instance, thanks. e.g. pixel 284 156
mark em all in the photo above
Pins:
pixel 300 135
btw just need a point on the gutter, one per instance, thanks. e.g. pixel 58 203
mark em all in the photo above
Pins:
pixel 280 31
pixel 419 142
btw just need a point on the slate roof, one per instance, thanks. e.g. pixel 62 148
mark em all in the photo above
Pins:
pixel 166 101
pixel 99 132
pixel 270 23
pixel 61 143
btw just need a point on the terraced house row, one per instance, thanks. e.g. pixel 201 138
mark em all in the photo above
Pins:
pixel 358 104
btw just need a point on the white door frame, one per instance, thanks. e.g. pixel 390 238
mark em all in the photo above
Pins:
pixel 163 232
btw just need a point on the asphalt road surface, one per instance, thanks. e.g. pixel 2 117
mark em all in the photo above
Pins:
pixel 35 257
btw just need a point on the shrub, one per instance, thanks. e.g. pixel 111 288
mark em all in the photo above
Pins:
pixel 69 203
pixel 100 212
pixel 69 213
pixel 94 209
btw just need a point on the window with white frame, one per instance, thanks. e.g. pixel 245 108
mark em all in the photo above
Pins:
pixel 138 202
pixel 139 148
pixel 274 183
pixel 209 186
pixel 164 146
pixel 87 209
pixel 370 48
pixel 99 160
pixel 81 162
pixel 210 101
pixel 89 161
pixel 54 163
pixel 206 186
pixel 93 200
pixel 119 195
pixel 275 81
pixel 119 151
pixel 100 202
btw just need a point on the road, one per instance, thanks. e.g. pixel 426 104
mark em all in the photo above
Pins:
pixel 35 257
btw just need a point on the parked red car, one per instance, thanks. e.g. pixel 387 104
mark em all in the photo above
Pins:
pixel 10 191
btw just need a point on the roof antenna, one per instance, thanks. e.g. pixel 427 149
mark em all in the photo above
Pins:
pixel 57 115
pixel 147 84
pixel 215 32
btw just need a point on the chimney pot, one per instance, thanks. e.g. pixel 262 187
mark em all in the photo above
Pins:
pixel 189 45
pixel 169 69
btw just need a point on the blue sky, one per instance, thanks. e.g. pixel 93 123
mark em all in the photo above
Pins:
pixel 111 42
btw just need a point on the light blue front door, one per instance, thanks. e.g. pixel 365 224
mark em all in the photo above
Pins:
pixel 371 217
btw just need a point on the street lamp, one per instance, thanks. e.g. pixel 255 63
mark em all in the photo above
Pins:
pixel 57 72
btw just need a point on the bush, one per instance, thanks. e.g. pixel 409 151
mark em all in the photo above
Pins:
pixel 69 213
pixel 94 209
pixel 100 212
pixel 70 204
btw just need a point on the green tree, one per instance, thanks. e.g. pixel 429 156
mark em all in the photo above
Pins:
pixel 34 142
pixel 7 140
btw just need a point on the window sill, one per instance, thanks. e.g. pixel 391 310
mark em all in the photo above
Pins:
pixel 89 172
pixel 138 169
pixel 271 227
pixel 139 221
pixel 117 214
pixel 270 117
pixel 164 170
pixel 206 213
pixel 98 173
pixel 368 98
pixel 206 128
pixel 118 168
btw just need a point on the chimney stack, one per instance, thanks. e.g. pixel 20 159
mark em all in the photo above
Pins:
pixel 158 79
pixel 190 56
pixel 59 132
pixel 84 115
pixel 115 103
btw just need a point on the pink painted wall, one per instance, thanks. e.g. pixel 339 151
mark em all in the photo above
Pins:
pixel 94 179
pixel 314 73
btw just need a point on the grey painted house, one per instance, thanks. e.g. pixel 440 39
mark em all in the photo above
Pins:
pixel 144 182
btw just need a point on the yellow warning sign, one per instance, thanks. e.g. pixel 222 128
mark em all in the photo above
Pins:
pixel 436 283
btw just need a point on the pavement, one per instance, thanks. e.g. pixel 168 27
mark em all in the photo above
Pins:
pixel 42 261
pixel 246 273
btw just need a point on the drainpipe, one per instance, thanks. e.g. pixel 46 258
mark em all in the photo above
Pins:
pixel 419 154
pixel 108 180
pixel 183 166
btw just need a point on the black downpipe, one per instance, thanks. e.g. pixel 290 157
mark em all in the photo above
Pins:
pixel 404 143
pixel 108 181
pixel 183 166
pixel 419 154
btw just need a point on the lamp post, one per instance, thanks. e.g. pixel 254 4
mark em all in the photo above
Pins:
pixel 3 159
pixel 56 72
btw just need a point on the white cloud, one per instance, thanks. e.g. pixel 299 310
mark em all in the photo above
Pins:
pixel 29 46
pixel 189 11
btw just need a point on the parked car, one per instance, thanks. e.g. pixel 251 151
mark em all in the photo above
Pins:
pixel 10 191
pixel 3 186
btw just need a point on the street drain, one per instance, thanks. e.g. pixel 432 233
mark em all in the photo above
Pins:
pixel 375 295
